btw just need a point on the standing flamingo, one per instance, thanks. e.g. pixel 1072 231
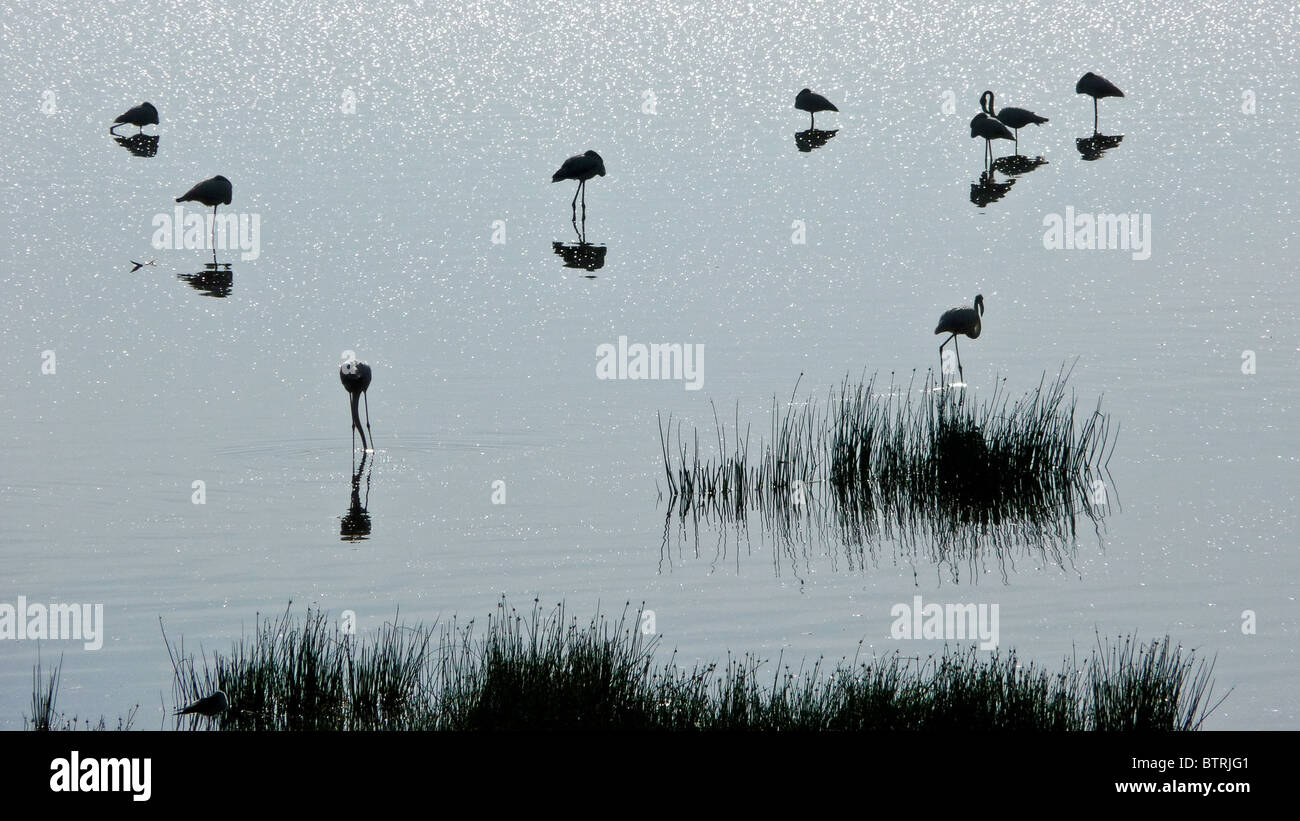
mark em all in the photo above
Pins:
pixel 812 102
pixel 213 192
pixel 990 128
pixel 580 167
pixel 960 321
pixel 139 116
pixel 1096 87
pixel 1013 118
pixel 355 376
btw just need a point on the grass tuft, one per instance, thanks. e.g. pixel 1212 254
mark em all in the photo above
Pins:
pixel 546 671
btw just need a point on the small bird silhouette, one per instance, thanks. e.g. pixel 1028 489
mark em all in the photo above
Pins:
pixel 139 265
pixel 355 376
pixel 580 167
pixel 210 706
pixel 1096 87
pixel 140 116
pixel 812 102
pixel 961 320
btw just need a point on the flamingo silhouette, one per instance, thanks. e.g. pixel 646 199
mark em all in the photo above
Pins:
pixel 355 376
pixel 580 167
pixel 1096 87
pixel 1013 118
pixel 812 102
pixel 956 321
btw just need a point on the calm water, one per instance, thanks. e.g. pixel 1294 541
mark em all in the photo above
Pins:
pixel 377 229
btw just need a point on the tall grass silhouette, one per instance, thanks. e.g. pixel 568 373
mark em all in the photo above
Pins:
pixel 547 671
pixel 902 461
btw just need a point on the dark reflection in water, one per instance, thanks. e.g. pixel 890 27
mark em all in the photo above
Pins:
pixel 1096 146
pixel 216 279
pixel 354 526
pixel 987 189
pixel 581 254
pixel 812 138
pixel 1018 164
pixel 140 145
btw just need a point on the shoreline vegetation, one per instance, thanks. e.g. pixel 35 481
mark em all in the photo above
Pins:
pixel 546 671
pixel 875 462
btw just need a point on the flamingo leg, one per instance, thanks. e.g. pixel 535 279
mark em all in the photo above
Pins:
pixel 372 435
pixel 812 121
pixel 574 204
pixel 583 187
pixel 950 338
pixel 1094 115
pixel 960 373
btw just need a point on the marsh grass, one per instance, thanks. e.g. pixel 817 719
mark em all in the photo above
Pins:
pixel 548 671
pixel 46 718
pixel 902 461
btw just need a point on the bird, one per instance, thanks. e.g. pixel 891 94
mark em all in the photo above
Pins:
pixel 213 192
pixel 960 321
pixel 1096 87
pixel 580 167
pixel 140 116
pixel 990 128
pixel 139 265
pixel 812 102
pixel 1013 118
pixel 355 376
pixel 209 706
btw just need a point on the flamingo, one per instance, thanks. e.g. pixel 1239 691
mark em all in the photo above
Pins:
pixel 956 321
pixel 812 102
pixel 580 167
pixel 213 192
pixel 990 128
pixel 1013 118
pixel 355 376
pixel 1096 87
pixel 139 116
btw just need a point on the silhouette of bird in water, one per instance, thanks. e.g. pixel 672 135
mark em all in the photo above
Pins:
pixel 580 167
pixel 140 116
pixel 960 321
pixel 812 102
pixel 209 706
pixel 213 192
pixel 355 376
pixel 990 128
pixel 1013 118
pixel 1096 87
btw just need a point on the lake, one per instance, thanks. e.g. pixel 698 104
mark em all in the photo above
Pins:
pixel 397 158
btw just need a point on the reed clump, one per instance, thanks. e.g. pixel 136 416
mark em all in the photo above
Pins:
pixel 548 671
pixel 880 459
